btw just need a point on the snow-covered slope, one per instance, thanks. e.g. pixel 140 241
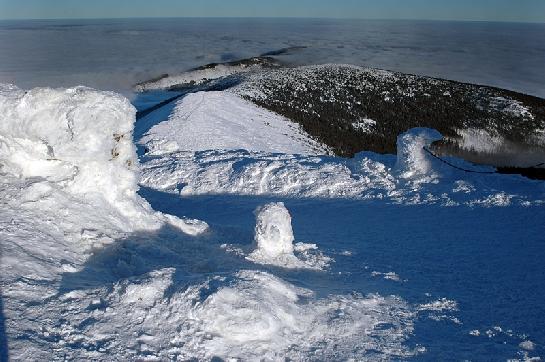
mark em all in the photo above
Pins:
pixel 327 100
pixel 352 109
pixel 220 120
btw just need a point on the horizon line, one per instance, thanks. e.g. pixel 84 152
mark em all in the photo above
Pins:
pixel 274 17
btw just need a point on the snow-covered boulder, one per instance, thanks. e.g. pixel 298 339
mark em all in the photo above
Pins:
pixel 78 144
pixel 413 162
pixel 80 136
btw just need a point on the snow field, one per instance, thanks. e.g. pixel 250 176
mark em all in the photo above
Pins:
pixel 91 271
pixel 221 120
pixel 70 178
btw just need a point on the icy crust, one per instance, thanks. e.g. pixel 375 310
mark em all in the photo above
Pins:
pixel 413 177
pixel 247 315
pixel 220 120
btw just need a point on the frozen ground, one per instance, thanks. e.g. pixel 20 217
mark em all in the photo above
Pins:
pixel 303 256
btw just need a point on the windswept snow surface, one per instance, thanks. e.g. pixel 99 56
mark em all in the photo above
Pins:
pixel 412 177
pixel 436 213
pixel 90 271
pixel 221 120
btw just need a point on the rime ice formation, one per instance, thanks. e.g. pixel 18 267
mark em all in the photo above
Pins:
pixel 274 237
pixel 274 241
pixel 412 160
pixel 273 231
pixel 71 147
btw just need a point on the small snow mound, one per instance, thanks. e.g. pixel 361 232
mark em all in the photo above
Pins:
pixel 527 345
pixel 274 239
pixel 413 162
pixel 442 304
pixel 500 199
pixel 273 231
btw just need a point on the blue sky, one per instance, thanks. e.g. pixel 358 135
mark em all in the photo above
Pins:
pixel 487 10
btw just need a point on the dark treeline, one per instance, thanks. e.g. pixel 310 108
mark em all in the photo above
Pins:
pixel 327 101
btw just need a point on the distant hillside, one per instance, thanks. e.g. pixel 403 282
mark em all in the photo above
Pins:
pixel 353 109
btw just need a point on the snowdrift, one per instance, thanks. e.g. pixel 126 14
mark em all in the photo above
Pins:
pixel 413 176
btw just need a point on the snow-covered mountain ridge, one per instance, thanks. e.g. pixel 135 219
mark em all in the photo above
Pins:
pixel 481 124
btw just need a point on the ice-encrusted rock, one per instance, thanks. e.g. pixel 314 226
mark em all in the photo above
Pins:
pixel 413 161
pixel 79 139
pixel 77 145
